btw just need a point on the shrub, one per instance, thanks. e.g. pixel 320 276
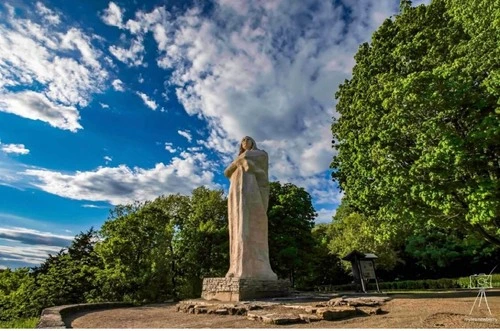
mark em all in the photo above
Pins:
pixel 422 284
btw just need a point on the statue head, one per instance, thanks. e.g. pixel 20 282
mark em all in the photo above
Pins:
pixel 247 143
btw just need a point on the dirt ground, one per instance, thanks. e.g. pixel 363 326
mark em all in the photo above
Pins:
pixel 435 310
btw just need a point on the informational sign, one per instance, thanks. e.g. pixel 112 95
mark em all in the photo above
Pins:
pixel 367 270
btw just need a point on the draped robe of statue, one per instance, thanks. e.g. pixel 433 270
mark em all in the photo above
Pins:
pixel 247 208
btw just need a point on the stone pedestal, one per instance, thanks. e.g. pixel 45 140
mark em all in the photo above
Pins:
pixel 241 289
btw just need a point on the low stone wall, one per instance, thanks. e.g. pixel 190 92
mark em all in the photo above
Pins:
pixel 53 317
pixel 239 289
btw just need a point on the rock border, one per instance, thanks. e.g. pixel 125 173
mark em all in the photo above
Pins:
pixel 264 311
pixel 53 317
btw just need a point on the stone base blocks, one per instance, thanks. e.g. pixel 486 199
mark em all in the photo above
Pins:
pixel 241 289
pixel 275 312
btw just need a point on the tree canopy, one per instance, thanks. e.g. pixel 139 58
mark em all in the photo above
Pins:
pixel 291 219
pixel 418 136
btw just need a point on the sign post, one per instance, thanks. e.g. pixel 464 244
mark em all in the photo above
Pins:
pixel 363 268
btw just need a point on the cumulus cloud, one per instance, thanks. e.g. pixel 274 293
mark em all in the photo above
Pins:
pixel 325 215
pixel 37 106
pixel 118 85
pixel 147 101
pixel 47 14
pixel 265 69
pixel 120 185
pixel 186 134
pixel 14 149
pixel 113 15
pixel 103 105
pixel 170 147
pixel 132 56
pixel 46 70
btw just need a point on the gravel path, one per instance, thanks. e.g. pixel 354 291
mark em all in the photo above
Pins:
pixel 402 312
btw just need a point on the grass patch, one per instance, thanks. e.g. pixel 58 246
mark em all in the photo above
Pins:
pixel 22 323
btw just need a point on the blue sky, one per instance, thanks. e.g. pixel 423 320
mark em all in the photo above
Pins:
pixel 103 103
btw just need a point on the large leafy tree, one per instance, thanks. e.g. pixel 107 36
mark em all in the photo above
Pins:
pixel 327 268
pixel 64 278
pixel 418 136
pixel 202 242
pixel 351 230
pixel 137 250
pixel 291 219
pixel 16 294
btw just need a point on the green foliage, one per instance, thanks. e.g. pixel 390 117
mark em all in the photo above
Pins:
pixel 436 248
pixel 137 250
pixel 62 279
pixel 22 323
pixel 16 289
pixel 327 267
pixel 68 277
pixel 353 231
pixel 418 136
pixel 202 243
pixel 291 219
pixel 425 284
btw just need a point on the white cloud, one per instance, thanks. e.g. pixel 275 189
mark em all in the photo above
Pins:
pixel 325 215
pixel 147 101
pixel 108 159
pixel 14 149
pixel 28 254
pixel 268 70
pixel 118 85
pixel 186 134
pixel 34 237
pixel 37 106
pixel 59 65
pixel 113 15
pixel 48 15
pixel 103 105
pixel 119 185
pixel 29 246
pixel 132 56
pixel 170 147
pixel 88 205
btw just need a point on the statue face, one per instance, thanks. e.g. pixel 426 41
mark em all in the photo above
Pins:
pixel 246 143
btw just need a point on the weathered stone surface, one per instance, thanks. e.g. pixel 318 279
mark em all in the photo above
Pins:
pixel 247 212
pixel 308 318
pixel 282 319
pixel 311 310
pixel 298 307
pixel 52 317
pixel 276 313
pixel 267 319
pixel 239 289
pixel 366 301
pixel 221 311
pixel 357 301
pixel 369 310
pixel 336 302
pixel 336 313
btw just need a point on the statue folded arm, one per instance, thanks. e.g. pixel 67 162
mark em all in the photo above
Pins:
pixel 246 163
pixel 230 169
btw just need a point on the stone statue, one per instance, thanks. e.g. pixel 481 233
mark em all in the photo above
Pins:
pixel 247 208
